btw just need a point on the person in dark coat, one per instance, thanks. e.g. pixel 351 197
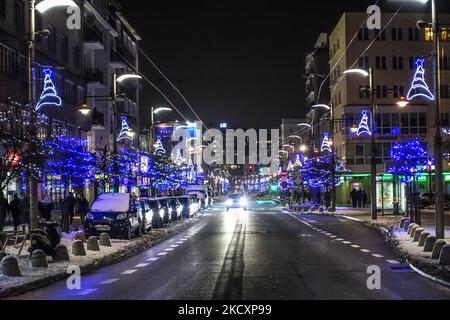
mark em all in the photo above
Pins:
pixel 359 198
pixel 83 207
pixel 45 207
pixel 364 198
pixel 25 218
pixel 3 210
pixel 15 207
pixel 68 210
pixel 354 197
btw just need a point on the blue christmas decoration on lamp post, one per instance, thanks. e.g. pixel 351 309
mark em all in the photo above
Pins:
pixel 419 87
pixel 49 96
pixel 326 144
pixel 125 132
pixel 363 129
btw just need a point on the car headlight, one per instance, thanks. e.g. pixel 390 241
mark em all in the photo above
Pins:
pixel 122 216
pixel 90 216
pixel 229 202
pixel 243 202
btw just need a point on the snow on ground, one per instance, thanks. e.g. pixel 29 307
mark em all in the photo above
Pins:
pixel 55 271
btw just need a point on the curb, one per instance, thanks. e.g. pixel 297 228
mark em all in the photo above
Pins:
pixel 426 275
pixel 134 250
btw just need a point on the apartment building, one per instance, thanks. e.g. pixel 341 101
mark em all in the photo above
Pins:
pixel 392 53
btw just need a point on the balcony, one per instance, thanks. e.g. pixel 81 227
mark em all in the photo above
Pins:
pixel 93 38
pixel 121 57
pixel 95 78
pixel 98 120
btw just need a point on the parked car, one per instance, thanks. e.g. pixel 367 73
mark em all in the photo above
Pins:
pixel 189 206
pixel 236 200
pixel 155 217
pixel 201 191
pixel 167 216
pixel 117 214
pixel 175 208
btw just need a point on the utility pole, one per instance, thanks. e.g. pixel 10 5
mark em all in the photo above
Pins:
pixel 440 228
pixel 32 183
pixel 373 163
pixel 114 124
pixel 333 162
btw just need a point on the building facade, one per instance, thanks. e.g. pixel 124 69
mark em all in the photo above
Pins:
pixel 393 53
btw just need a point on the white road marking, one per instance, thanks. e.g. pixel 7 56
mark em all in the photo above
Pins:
pixel 162 253
pixel 346 242
pixel 376 255
pixel 355 246
pixel 174 246
pixel 365 250
pixel 169 249
pixel 109 281
pixel 180 242
pixel 86 292
pixel 392 262
pixel 152 259
pixel 340 239
pixel 142 265
pixel 129 272
pixel 332 236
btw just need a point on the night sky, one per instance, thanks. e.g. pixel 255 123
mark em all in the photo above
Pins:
pixel 239 62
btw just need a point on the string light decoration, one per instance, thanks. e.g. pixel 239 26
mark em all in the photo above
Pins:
pixel 49 96
pixel 419 87
pixel 316 172
pixel 125 133
pixel 409 159
pixel 326 146
pixel 363 128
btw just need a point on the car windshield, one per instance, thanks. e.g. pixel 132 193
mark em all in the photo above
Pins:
pixel 234 196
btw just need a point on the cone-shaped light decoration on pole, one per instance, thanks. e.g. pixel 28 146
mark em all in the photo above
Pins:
pixel 48 97
pixel 125 132
pixel 159 149
pixel 326 146
pixel 363 129
pixel 419 87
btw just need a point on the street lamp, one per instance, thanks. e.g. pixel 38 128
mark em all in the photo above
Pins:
pixel 403 102
pixel 46 5
pixel 323 106
pixel 84 110
pixel 373 164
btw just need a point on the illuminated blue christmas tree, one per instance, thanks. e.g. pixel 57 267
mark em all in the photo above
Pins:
pixel 409 159
pixel 48 97
pixel 316 172
pixel 125 133
pixel 326 145
pixel 419 87
pixel 363 129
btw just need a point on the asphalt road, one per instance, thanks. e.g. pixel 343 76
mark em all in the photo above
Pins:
pixel 261 254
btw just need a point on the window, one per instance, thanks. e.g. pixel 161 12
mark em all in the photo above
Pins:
pixel 363 34
pixel 65 48
pixel 20 16
pixel 380 35
pixel 413 34
pixel 76 56
pixel 399 91
pixel 397 63
pixel 445 34
pixel 52 38
pixel 381 63
pixel 364 62
pixel 397 34
pixel 445 92
pixel 8 61
pixel 2 8
pixel 364 92
pixel 429 34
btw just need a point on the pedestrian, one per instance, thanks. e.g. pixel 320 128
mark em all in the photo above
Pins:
pixel 25 218
pixel 3 210
pixel 83 207
pixel 354 197
pixel 45 207
pixel 15 207
pixel 364 198
pixel 359 198
pixel 68 211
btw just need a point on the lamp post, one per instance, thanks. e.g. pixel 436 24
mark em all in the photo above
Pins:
pixel 152 121
pixel 373 164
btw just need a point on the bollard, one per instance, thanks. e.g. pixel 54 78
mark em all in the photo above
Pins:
pixel 407 224
pixel 429 243
pixel 437 249
pixel 10 267
pixel 417 234
pixel 423 237
pixel 39 259
pixel 413 230
pixel 80 236
pixel 61 253
pixel 444 258
pixel 403 222
pixel 78 248
pixel 412 225
pixel 92 244
pixel 105 241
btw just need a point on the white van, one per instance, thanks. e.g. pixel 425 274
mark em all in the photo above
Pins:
pixel 201 191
